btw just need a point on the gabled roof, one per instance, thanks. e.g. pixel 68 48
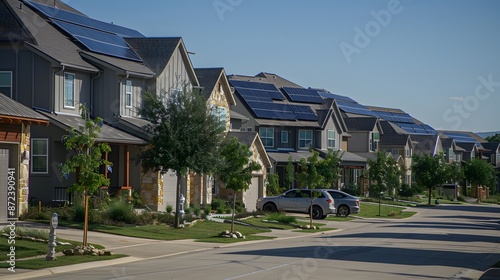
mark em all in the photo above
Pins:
pixel 492 146
pixel 237 116
pixel 47 41
pixel 12 111
pixel 390 128
pixel 157 51
pixel 394 140
pixel 108 133
pixel 119 65
pixel 468 147
pixel 425 143
pixel 250 138
pixel 209 78
pixel 11 29
pixel 360 123
pixel 275 79
pixel 449 143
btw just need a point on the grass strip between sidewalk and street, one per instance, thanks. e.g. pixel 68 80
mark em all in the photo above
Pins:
pixel 371 210
pixel 40 263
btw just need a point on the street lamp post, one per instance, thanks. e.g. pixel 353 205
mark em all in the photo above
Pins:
pixel 51 252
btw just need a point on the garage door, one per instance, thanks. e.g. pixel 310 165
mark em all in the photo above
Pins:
pixel 251 195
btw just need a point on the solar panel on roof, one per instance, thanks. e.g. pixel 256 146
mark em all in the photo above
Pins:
pixel 100 42
pixel 326 94
pixel 258 89
pixel 55 13
pixel 303 95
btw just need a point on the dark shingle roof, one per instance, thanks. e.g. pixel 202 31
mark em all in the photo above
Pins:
pixel 245 137
pixel 48 41
pixel 426 144
pixel 11 28
pixel 122 64
pixel 107 134
pixel 468 147
pixel 360 124
pixel 208 77
pixel 393 139
pixel 155 52
pixel 11 109
pixel 492 146
pixel 390 128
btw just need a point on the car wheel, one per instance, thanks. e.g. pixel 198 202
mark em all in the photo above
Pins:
pixel 343 211
pixel 269 207
pixel 317 212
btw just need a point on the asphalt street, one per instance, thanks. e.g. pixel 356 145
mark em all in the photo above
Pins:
pixel 445 242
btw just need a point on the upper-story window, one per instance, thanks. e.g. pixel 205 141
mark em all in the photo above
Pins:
pixel 305 139
pixel 69 90
pixel 284 136
pixel 458 157
pixel 267 136
pixel 39 155
pixel 331 139
pixel 395 152
pixel 375 136
pixel 220 113
pixel 6 83
pixel 408 152
pixel 128 93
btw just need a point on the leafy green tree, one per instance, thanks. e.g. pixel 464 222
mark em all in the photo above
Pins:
pixel 86 160
pixel 289 173
pixel 273 185
pixel 479 172
pixel 493 138
pixel 185 135
pixel 236 168
pixel 430 171
pixel 316 173
pixel 384 173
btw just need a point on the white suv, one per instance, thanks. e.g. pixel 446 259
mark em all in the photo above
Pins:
pixel 299 200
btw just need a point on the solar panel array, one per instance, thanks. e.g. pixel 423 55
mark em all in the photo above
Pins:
pixel 97 36
pixel 100 42
pixel 460 137
pixel 355 108
pixel 338 97
pixel 416 128
pixel 259 97
pixel 55 13
pixel 395 117
pixel 303 95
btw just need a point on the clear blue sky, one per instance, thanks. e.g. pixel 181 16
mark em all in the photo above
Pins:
pixel 437 60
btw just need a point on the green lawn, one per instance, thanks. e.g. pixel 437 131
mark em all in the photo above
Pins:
pixel 339 219
pixel 40 263
pixel 262 222
pixel 200 230
pixel 27 248
pixel 371 210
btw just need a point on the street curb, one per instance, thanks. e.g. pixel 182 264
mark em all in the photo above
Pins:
pixel 70 268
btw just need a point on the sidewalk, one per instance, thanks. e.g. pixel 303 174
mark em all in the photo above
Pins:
pixel 137 248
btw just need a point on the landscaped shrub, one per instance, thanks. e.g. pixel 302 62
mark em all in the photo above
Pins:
pixel 165 218
pixel 31 232
pixel 121 211
pixel 218 204
pixel 207 210
pixel 78 213
pixel 352 190
pixel 136 198
pixel 169 208
pixel 187 211
pixel 146 218
pixel 281 217
pixel 228 210
pixel 196 210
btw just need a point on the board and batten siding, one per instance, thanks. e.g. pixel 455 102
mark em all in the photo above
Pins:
pixel 175 75
pixel 82 91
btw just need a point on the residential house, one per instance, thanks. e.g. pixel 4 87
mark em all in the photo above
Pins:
pixel 257 188
pixel 289 119
pixel 452 152
pixel 45 59
pixel 493 155
pixel 401 147
pixel 16 121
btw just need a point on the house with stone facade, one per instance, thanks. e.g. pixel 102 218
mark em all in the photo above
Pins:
pixel 16 150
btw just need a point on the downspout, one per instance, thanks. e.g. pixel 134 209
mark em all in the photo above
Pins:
pixel 52 96
pixel 91 109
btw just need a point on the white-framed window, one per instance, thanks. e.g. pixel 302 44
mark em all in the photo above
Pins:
pixel 458 157
pixel 408 152
pixel 267 136
pixel 128 93
pixel 220 113
pixel 69 90
pixel 6 83
pixel 284 136
pixel 305 139
pixel 375 136
pixel 39 155
pixel 331 139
